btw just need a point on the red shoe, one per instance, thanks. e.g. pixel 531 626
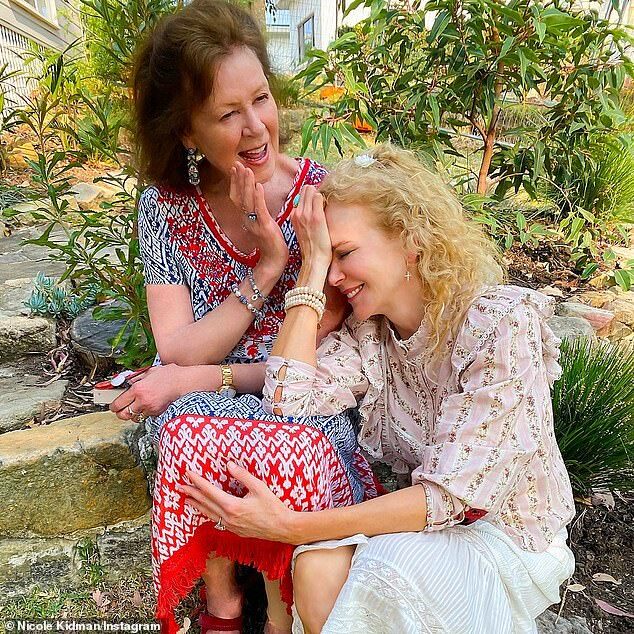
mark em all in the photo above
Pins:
pixel 211 621
pixel 215 623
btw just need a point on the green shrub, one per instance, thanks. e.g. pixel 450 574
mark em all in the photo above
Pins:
pixel 286 91
pixel 593 405
pixel 600 182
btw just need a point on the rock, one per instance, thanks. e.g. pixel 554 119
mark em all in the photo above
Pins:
pixel 552 291
pixel 87 195
pixel 571 327
pixel 616 332
pixel 598 299
pixel 13 294
pixel 26 564
pixel 23 398
pixel 91 337
pixel 623 308
pixel 21 261
pixel 21 335
pixel 70 475
pixel 550 623
pixel 623 255
pixel 124 549
pixel 598 317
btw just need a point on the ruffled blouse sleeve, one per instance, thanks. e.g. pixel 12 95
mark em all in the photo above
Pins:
pixel 294 388
pixel 489 430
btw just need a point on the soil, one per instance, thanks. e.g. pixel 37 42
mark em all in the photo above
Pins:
pixel 602 540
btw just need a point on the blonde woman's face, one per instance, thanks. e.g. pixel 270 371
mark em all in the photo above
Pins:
pixel 368 266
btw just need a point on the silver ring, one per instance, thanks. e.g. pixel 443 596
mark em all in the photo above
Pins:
pixel 252 216
pixel 132 412
pixel 219 526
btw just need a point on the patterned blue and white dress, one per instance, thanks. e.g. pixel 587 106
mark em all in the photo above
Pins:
pixel 181 243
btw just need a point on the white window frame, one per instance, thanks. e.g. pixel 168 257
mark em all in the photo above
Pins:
pixel 300 36
pixel 50 19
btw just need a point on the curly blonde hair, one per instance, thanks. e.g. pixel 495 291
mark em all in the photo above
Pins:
pixel 455 259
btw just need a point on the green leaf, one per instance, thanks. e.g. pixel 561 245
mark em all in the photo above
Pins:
pixel 506 47
pixel 623 279
pixel 440 24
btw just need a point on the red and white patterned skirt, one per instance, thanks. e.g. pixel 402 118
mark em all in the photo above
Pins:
pixel 300 464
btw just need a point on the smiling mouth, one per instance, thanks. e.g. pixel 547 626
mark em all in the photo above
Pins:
pixel 353 292
pixel 257 155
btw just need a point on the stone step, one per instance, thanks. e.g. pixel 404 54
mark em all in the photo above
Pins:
pixel 23 398
pixel 21 335
pixel 18 260
pixel 113 552
pixel 71 475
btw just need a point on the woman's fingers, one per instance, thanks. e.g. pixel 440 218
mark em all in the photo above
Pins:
pixel 246 478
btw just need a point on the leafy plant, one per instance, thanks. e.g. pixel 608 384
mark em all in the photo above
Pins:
pixel 49 297
pixel 99 247
pixel 426 88
pixel 113 30
pixel 593 405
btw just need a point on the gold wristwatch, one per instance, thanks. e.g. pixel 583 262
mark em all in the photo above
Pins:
pixel 227 388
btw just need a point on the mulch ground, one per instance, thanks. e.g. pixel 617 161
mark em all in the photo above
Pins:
pixel 603 542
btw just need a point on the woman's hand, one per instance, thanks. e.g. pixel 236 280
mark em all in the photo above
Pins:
pixel 150 393
pixel 248 196
pixel 310 226
pixel 260 513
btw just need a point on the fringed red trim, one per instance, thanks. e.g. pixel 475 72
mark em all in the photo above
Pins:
pixel 181 571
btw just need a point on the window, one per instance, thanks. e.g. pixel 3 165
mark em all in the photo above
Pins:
pixel 277 17
pixel 306 36
pixel 44 8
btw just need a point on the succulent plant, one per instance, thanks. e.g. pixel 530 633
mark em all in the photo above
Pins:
pixel 49 297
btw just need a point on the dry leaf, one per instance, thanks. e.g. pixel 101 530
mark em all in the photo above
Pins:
pixel 100 598
pixel 186 625
pixel 553 291
pixel 610 609
pixel 137 601
pixel 604 576
pixel 575 587
pixel 603 498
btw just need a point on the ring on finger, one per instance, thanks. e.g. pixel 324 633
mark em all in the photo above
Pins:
pixel 219 526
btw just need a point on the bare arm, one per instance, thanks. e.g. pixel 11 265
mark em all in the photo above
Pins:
pixel 297 336
pixel 182 340
pixel 152 391
pixel 261 514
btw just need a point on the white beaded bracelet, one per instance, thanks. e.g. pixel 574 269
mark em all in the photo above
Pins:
pixel 305 300
pixel 307 290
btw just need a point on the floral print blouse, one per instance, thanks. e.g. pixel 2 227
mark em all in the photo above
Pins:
pixel 475 427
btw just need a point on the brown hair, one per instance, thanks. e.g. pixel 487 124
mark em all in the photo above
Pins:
pixel 173 75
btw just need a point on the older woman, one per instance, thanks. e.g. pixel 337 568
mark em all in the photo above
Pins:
pixel 220 254
pixel 451 372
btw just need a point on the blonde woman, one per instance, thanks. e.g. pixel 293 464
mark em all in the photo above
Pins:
pixel 451 373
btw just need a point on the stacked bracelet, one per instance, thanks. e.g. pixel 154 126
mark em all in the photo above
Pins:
pixel 307 290
pixel 257 293
pixel 259 314
pixel 305 296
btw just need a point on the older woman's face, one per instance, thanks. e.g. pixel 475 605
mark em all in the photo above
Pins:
pixel 368 266
pixel 239 120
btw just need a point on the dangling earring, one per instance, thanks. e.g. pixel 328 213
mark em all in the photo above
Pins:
pixel 193 175
pixel 408 276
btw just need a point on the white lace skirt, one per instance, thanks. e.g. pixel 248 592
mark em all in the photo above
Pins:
pixel 461 580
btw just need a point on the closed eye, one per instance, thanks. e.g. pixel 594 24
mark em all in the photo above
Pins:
pixel 263 97
pixel 227 115
pixel 341 255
